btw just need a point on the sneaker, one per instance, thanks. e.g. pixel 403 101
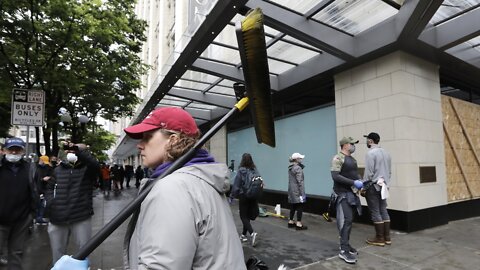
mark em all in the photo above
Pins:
pixel 254 239
pixel 299 228
pixel 3 261
pixel 243 238
pixel 291 225
pixel 347 257
pixel 353 251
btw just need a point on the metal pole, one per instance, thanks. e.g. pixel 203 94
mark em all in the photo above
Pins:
pixel 28 142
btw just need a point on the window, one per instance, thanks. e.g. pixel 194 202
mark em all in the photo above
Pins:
pixel 428 174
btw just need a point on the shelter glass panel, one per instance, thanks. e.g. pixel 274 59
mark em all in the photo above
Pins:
pixel 450 8
pixel 221 53
pixel 299 6
pixel 289 52
pixel 277 67
pixel 355 16
pixel 192 84
pixel 199 76
pixel 222 90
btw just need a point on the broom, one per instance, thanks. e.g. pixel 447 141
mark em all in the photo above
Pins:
pixel 257 92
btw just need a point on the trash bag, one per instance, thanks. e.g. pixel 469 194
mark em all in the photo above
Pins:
pixel 254 263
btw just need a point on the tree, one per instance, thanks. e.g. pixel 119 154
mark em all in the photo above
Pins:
pixel 99 142
pixel 83 53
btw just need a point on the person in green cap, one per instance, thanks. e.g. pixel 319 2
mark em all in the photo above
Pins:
pixel 346 182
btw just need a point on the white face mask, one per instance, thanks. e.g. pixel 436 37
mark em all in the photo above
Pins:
pixel 13 158
pixel 352 149
pixel 71 157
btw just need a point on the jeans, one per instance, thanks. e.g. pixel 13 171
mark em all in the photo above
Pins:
pixel 60 234
pixel 40 210
pixel 15 235
pixel 345 212
pixel 377 206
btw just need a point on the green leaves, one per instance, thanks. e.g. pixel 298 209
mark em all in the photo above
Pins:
pixel 82 50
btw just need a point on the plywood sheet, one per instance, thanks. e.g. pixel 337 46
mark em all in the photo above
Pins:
pixel 462 148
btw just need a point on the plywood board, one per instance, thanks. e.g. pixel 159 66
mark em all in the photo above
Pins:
pixel 461 121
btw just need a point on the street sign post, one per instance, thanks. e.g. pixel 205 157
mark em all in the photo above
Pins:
pixel 28 107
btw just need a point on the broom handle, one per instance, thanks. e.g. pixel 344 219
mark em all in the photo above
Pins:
pixel 111 226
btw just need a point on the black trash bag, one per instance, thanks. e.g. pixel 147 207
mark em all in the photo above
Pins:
pixel 254 263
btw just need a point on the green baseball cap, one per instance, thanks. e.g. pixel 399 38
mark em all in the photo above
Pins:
pixel 346 140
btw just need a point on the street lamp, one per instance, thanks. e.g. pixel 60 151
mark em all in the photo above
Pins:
pixel 66 119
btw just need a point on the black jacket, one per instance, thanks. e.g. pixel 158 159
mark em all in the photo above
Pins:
pixel 69 191
pixel 10 205
pixel 42 171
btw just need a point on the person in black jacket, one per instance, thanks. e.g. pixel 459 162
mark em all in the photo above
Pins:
pixel 44 172
pixel 18 198
pixel 69 199
pixel 248 208
pixel 138 176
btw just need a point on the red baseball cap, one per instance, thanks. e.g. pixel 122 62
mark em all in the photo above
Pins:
pixel 170 118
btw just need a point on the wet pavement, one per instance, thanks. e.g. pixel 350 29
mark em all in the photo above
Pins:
pixel 452 246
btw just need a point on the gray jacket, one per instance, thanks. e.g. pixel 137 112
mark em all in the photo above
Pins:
pixel 296 187
pixel 185 222
pixel 378 164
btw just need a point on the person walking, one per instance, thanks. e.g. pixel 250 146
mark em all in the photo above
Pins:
pixel 106 181
pixel 377 174
pixel 138 176
pixel 346 182
pixel 296 190
pixel 44 173
pixel 128 174
pixel 115 176
pixel 248 207
pixel 185 221
pixel 18 200
pixel 69 199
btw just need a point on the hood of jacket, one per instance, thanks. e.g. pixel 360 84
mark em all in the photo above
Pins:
pixel 215 174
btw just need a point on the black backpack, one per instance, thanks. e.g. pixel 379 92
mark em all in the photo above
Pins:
pixel 253 185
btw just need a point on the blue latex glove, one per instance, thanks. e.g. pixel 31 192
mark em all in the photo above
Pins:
pixel 358 184
pixel 66 262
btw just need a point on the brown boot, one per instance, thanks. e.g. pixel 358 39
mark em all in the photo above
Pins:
pixel 379 239
pixel 388 241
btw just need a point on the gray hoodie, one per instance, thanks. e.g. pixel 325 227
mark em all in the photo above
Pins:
pixel 296 186
pixel 185 222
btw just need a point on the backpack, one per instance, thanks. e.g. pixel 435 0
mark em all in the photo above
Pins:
pixel 253 185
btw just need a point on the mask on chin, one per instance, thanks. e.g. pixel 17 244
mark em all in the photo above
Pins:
pixel 72 158
pixel 13 158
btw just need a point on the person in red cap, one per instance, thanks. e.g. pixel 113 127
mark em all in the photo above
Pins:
pixel 185 222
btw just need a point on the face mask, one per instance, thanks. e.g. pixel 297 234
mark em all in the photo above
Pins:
pixel 352 148
pixel 13 158
pixel 72 158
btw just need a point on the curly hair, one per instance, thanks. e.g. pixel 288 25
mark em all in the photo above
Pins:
pixel 176 148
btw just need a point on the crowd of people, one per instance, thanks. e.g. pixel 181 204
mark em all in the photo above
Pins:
pixel 52 192
pixel 185 220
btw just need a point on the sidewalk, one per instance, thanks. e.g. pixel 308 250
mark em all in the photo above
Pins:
pixel 453 246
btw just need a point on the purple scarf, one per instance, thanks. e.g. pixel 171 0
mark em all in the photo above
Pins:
pixel 201 157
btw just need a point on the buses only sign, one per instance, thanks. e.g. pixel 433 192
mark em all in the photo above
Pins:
pixel 28 107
